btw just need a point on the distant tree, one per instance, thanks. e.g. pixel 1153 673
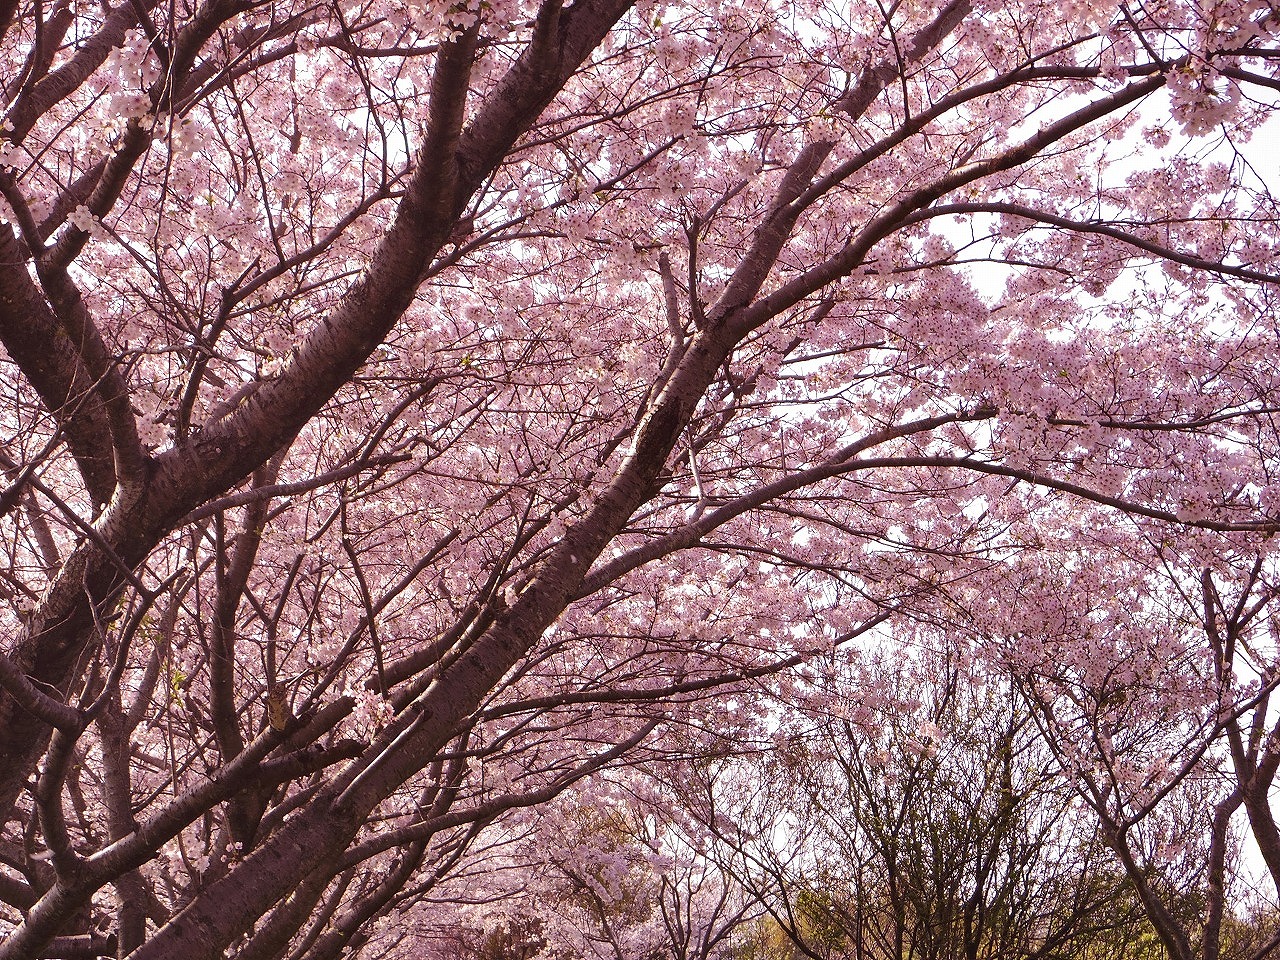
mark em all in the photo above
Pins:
pixel 935 825
pixel 604 873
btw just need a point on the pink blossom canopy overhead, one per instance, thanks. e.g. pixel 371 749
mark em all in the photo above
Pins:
pixel 420 417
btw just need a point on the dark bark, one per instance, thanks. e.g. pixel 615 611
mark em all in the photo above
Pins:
pixel 52 363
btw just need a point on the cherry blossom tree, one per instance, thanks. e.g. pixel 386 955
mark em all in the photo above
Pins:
pixel 414 409
pixel 1171 744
